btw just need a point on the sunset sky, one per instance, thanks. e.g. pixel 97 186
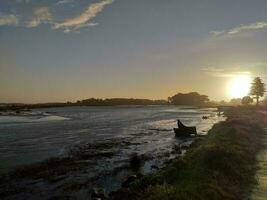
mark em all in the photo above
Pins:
pixel 65 50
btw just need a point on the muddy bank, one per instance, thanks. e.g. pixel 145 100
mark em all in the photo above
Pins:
pixel 83 168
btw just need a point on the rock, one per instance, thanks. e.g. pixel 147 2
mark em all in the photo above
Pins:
pixel 98 194
pixel 136 161
pixel 154 167
pixel 184 147
pixel 128 181
pixel 113 193
pixel 177 149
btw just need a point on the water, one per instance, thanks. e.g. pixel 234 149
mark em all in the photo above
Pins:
pixel 114 131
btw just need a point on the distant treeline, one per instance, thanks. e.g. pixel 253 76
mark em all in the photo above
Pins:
pixel 86 102
pixel 190 99
pixel 120 101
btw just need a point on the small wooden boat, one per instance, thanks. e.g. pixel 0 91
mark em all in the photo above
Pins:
pixel 184 131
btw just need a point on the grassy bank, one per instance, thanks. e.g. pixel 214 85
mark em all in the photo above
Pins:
pixel 220 166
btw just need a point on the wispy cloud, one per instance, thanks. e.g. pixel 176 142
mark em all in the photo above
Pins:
pixel 40 15
pixel 43 15
pixel 8 19
pixel 219 72
pixel 217 33
pixel 241 28
pixel 85 18
pixel 64 2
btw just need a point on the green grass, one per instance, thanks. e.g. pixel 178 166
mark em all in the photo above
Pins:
pixel 221 166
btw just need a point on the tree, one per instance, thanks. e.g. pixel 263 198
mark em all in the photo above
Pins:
pixel 192 98
pixel 246 100
pixel 235 101
pixel 257 89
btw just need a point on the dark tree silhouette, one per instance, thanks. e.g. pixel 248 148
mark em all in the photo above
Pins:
pixel 257 89
pixel 192 98
pixel 120 101
pixel 246 100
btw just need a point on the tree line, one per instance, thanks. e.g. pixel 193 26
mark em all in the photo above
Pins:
pixel 120 101
pixel 257 91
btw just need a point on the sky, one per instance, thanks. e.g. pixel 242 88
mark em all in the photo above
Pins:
pixel 66 50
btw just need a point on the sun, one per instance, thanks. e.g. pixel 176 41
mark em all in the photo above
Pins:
pixel 239 86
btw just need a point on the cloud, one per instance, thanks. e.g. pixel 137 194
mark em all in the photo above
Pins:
pixel 217 33
pixel 85 18
pixel 43 15
pixel 241 28
pixel 68 30
pixel 40 15
pixel 222 73
pixel 8 19
pixel 64 2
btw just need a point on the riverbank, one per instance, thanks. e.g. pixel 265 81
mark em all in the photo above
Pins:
pixel 222 166
pixel 260 191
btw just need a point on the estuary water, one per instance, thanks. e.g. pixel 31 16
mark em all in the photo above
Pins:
pixel 107 135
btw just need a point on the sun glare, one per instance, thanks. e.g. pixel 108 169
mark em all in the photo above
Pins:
pixel 239 86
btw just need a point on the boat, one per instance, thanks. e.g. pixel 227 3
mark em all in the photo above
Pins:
pixel 184 131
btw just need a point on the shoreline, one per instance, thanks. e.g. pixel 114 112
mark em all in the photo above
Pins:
pixel 222 166
pixel 260 190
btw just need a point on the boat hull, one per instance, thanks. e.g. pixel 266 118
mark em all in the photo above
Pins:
pixel 185 132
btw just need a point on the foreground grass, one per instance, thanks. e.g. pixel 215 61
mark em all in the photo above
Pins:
pixel 220 166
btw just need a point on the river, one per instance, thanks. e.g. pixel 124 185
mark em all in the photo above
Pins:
pixel 110 135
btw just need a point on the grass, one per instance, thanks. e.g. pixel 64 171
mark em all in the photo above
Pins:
pixel 222 166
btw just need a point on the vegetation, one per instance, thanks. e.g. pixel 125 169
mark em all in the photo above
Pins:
pixel 86 102
pixel 246 100
pixel 221 166
pixel 192 98
pixel 257 89
pixel 120 101
pixel 235 101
